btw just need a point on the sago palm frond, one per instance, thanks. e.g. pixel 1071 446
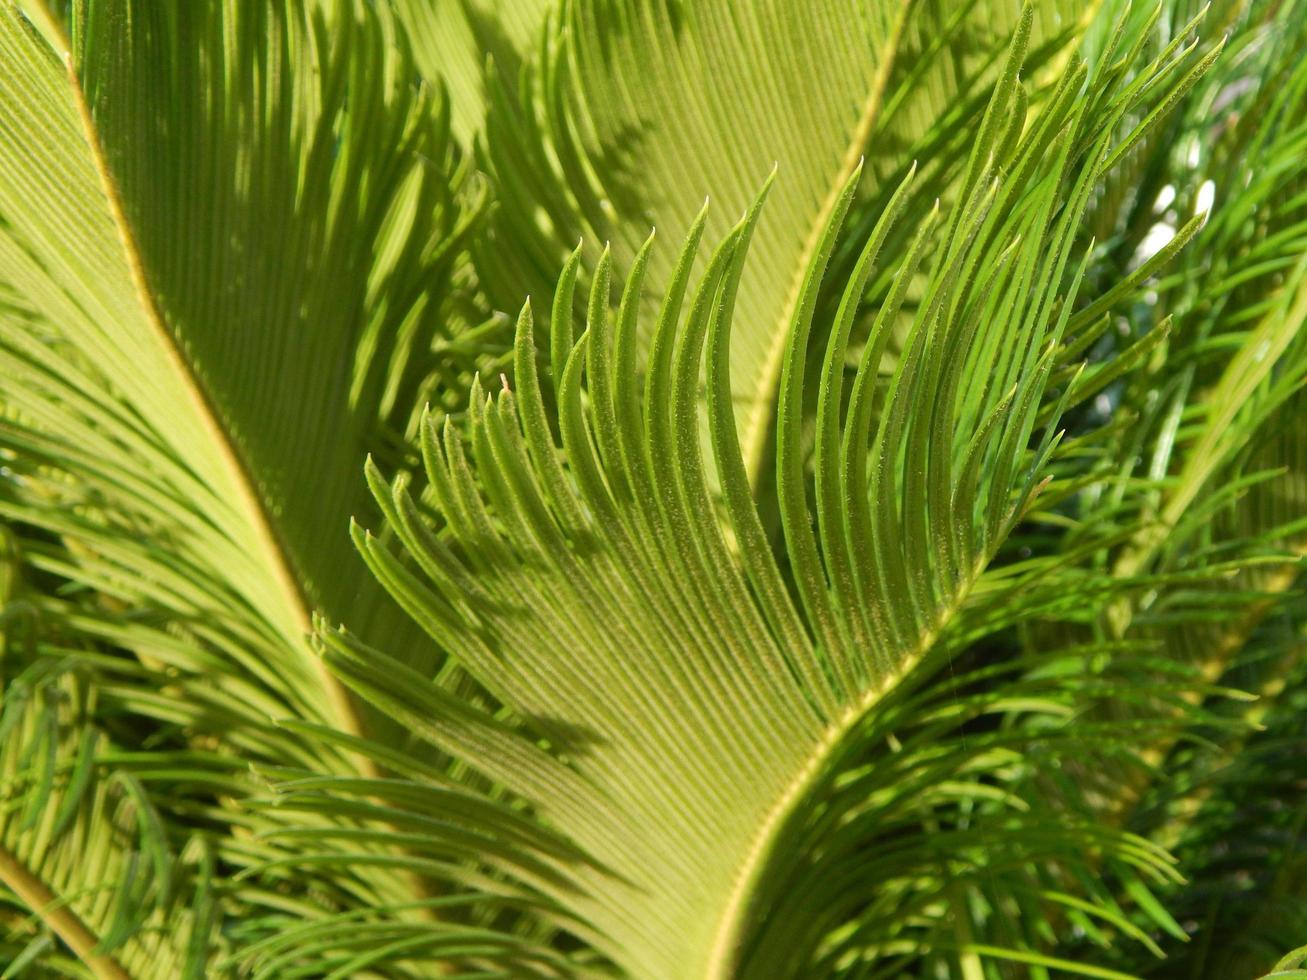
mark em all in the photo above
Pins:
pixel 294 210
pixel 148 464
pixel 603 604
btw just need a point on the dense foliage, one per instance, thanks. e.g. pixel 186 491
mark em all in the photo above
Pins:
pixel 891 567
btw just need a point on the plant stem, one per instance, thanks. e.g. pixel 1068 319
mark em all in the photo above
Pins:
pixel 61 919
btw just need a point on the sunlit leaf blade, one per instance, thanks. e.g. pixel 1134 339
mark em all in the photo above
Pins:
pixel 320 192
pixel 64 255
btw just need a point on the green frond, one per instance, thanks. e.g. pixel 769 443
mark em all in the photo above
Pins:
pixel 630 114
pixel 1225 436
pixel 164 413
pixel 673 704
pixel 331 241
pixel 84 859
pixel 213 298
pixel 180 730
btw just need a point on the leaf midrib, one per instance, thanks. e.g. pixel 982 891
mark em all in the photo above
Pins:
pixel 58 916
pixel 249 505
pixel 729 933
pixel 757 422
